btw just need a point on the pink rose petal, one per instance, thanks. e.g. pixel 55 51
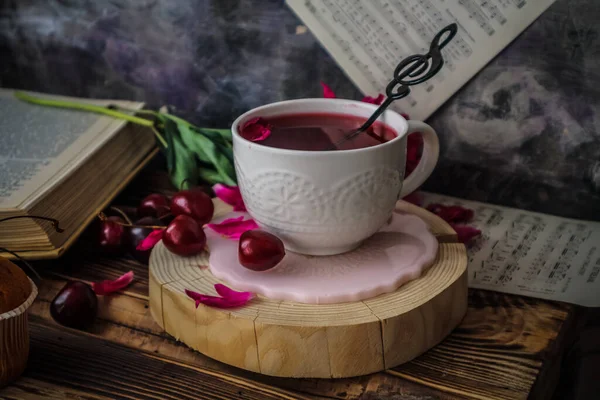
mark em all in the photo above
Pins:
pixel 229 297
pixel 233 228
pixel 230 195
pixel 465 233
pixel 106 287
pixel 256 129
pixel 228 292
pixel 451 214
pixel 150 241
pixel 327 92
pixel 374 100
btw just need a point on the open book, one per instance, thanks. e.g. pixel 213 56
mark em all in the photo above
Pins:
pixel 369 38
pixel 62 164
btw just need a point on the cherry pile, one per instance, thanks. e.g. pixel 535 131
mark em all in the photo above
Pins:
pixel 182 217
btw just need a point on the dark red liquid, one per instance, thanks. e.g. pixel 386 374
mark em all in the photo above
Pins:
pixel 320 131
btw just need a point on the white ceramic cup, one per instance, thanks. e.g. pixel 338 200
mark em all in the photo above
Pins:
pixel 327 202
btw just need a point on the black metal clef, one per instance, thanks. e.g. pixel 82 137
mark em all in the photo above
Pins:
pixel 418 68
pixel 413 70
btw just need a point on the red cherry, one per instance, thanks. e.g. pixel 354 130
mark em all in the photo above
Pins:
pixel 139 232
pixel 194 203
pixel 154 205
pixel 75 306
pixel 112 235
pixel 259 250
pixel 184 236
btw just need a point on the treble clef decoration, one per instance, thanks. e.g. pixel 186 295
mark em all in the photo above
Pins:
pixel 411 71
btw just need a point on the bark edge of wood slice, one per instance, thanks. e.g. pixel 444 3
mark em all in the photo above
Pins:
pixel 286 339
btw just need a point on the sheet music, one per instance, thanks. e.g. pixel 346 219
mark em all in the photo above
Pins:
pixel 532 254
pixel 369 38
pixel 40 146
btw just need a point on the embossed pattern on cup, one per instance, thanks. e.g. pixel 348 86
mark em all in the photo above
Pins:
pixel 294 207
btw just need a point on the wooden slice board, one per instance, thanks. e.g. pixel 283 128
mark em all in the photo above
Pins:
pixel 288 339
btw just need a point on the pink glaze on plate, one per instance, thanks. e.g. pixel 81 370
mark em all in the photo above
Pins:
pixel 397 254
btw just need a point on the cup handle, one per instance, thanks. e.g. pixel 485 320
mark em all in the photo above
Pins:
pixel 429 158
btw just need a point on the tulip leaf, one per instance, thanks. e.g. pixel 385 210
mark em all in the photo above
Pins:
pixel 183 166
pixel 209 175
pixel 206 149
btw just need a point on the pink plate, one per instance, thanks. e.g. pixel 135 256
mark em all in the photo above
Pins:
pixel 398 253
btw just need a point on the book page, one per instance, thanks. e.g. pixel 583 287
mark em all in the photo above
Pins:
pixel 532 254
pixel 369 38
pixel 40 145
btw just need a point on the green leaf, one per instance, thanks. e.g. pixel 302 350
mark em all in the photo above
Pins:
pixel 202 145
pixel 215 135
pixel 226 151
pixel 209 175
pixel 183 165
pixel 225 133
pixel 170 131
pixel 197 152
pixel 223 145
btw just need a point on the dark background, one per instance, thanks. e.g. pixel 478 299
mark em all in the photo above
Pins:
pixel 523 133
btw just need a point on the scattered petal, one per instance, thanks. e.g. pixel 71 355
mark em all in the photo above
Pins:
pixel 233 295
pixel 228 292
pixel 150 241
pixel 230 195
pixel 217 302
pixel 231 300
pixel 465 233
pixel 451 214
pixel 327 92
pixel 256 129
pixel 374 100
pixel 106 287
pixel 415 198
pixel 233 228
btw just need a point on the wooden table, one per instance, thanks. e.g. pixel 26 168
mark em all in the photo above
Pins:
pixel 507 347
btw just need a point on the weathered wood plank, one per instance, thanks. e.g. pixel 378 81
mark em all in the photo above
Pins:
pixel 85 363
pixel 34 389
pixel 89 266
pixel 498 350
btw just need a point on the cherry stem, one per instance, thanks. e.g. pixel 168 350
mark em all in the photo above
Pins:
pixel 165 215
pixel 54 221
pixel 93 108
pixel 38 277
pixel 125 217
pixel 102 217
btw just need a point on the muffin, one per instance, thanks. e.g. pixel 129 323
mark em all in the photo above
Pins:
pixel 14 286
pixel 17 293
